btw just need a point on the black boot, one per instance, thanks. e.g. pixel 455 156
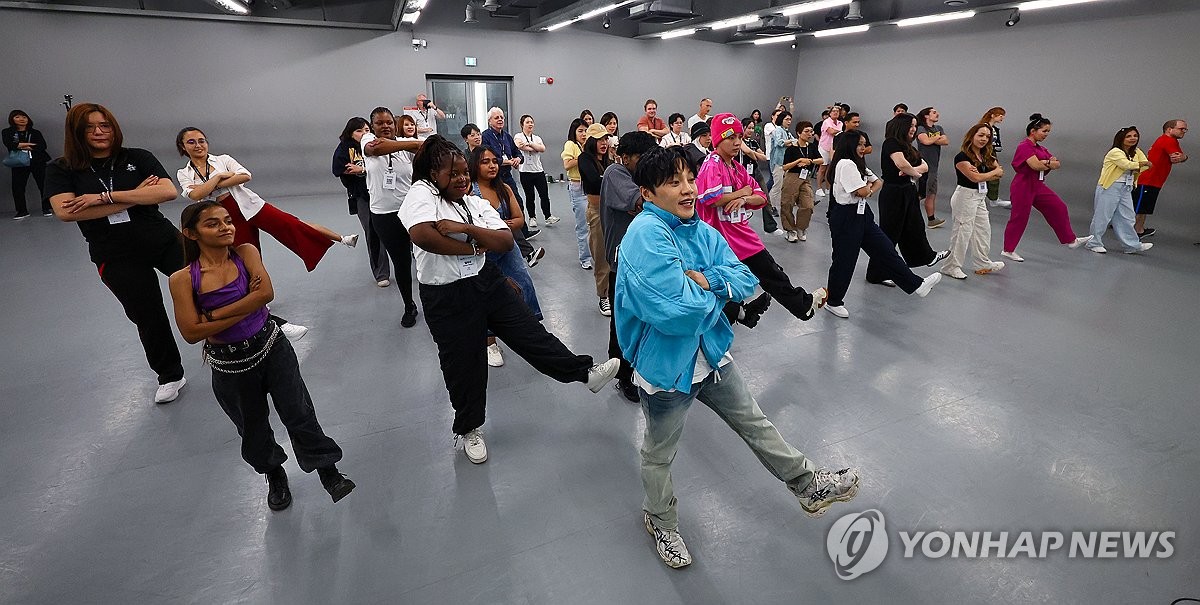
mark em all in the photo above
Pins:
pixel 754 310
pixel 337 484
pixel 628 389
pixel 409 319
pixel 279 496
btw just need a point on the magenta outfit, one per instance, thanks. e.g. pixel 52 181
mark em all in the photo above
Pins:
pixel 1028 191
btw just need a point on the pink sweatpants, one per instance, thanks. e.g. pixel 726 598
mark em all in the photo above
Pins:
pixel 1028 193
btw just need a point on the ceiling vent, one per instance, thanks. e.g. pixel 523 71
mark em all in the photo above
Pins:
pixel 662 12
pixel 772 26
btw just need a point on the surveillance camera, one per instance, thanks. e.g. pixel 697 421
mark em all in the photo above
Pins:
pixel 1014 17
pixel 419 43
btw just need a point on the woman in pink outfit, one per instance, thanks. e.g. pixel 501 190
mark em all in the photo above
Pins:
pixel 1032 162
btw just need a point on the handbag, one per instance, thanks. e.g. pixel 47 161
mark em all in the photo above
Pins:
pixel 20 158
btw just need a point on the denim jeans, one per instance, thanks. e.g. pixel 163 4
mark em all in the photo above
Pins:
pixel 1114 205
pixel 514 267
pixel 725 392
pixel 579 207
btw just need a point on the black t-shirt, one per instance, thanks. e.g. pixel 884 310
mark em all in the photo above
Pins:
pixel 888 171
pixel 795 152
pixel 590 173
pixel 147 230
pixel 963 181
pixel 355 184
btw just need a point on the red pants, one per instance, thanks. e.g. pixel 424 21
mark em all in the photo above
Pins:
pixel 294 234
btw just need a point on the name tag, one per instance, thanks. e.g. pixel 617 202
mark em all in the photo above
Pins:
pixel 389 180
pixel 1128 178
pixel 983 186
pixel 118 218
pixel 862 205
pixel 1041 175
pixel 468 264
pixel 804 174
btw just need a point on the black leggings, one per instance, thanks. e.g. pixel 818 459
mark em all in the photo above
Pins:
pixel 529 182
pixel 399 247
pixel 20 179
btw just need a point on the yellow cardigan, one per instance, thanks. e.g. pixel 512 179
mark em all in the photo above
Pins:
pixel 1116 163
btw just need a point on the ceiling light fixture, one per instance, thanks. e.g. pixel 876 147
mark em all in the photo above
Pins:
pixel 411 18
pixel 679 33
pixel 842 31
pixel 935 18
pixel 1014 17
pixel 558 26
pixel 774 40
pixel 231 6
pixel 470 14
pixel 599 11
pixel 607 22
pixel 734 22
pixel 1036 4
pixel 809 7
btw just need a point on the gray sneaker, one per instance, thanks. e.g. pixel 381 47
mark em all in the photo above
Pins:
pixel 826 488
pixel 669 544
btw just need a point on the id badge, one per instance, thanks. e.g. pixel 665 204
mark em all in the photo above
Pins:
pixel 119 217
pixel 862 205
pixel 804 174
pixel 1041 175
pixel 467 264
pixel 389 180
pixel 983 187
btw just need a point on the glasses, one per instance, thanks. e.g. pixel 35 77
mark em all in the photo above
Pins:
pixel 102 127
pixel 196 142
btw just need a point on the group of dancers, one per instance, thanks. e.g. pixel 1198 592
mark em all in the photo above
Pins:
pixel 682 262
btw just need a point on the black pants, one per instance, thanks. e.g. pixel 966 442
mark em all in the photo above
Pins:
pixel 507 177
pixel 769 223
pixel 852 232
pixel 459 316
pixel 614 349
pixel 529 182
pixel 20 179
pixel 776 283
pixel 244 398
pixel 902 219
pixel 395 239
pixel 133 282
pixel 521 243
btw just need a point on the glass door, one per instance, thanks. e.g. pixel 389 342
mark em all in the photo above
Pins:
pixel 468 101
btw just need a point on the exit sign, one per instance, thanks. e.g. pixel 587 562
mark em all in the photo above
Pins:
pixel 470 61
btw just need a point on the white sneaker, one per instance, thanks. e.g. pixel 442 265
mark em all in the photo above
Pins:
pixel 991 267
pixel 383 283
pixel 1013 256
pixel 779 232
pixel 350 240
pixel 1079 241
pixel 803 235
pixel 293 331
pixel 495 355
pixel 605 307
pixel 1098 249
pixel 473 446
pixel 601 373
pixel 531 223
pixel 822 193
pixel 927 284
pixel 839 311
pixel 955 273
pixel 792 237
pixel 550 220
pixel 668 543
pixel 1142 248
pixel 168 392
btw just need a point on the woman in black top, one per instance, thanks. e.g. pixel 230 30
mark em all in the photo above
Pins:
pixel 975 167
pixel 900 215
pixel 348 165
pixel 592 163
pixel 113 192
pixel 22 136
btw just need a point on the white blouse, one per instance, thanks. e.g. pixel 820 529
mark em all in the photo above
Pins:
pixel 385 199
pixel 247 201
pixel 847 180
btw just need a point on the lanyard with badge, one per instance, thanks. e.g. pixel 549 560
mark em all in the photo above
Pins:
pixel 981 185
pixel 738 216
pixel 804 172
pixel 389 179
pixel 115 218
pixel 468 264
pixel 207 171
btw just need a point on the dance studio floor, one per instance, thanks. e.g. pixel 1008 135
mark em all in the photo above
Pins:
pixel 1053 396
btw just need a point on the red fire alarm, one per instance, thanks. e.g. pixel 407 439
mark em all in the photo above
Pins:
pixel 549 80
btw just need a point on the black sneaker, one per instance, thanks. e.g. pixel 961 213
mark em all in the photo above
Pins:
pixel 532 234
pixel 1147 232
pixel 279 496
pixel 753 310
pixel 939 257
pixel 628 390
pixel 337 484
pixel 20 217
pixel 409 319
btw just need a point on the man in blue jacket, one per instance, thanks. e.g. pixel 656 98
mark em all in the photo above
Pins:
pixel 676 275
pixel 502 144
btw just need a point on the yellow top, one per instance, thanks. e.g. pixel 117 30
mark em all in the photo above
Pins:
pixel 571 151
pixel 1116 163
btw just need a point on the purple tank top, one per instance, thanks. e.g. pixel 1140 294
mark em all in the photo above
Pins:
pixel 229 293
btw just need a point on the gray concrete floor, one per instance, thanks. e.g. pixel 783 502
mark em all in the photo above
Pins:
pixel 1052 396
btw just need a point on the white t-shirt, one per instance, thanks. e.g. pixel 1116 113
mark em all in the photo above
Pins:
pixel 671 139
pixel 424 205
pixel 428 119
pixel 699 373
pixel 692 121
pixel 398 165
pixel 531 161
pixel 846 179
pixel 248 201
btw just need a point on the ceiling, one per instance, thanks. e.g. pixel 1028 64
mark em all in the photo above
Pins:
pixel 534 16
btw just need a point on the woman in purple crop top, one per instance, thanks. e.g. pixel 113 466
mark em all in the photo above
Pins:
pixel 221 297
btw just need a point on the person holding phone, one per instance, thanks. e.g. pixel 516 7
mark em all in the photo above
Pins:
pixel 427 116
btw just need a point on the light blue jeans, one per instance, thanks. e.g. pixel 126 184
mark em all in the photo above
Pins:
pixel 579 207
pixel 731 400
pixel 1114 205
pixel 512 264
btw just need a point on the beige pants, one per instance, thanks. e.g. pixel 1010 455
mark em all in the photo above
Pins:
pixel 600 266
pixel 796 200
pixel 971 233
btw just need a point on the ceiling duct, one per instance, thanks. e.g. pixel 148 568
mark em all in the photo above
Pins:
pixel 854 11
pixel 772 26
pixel 662 12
